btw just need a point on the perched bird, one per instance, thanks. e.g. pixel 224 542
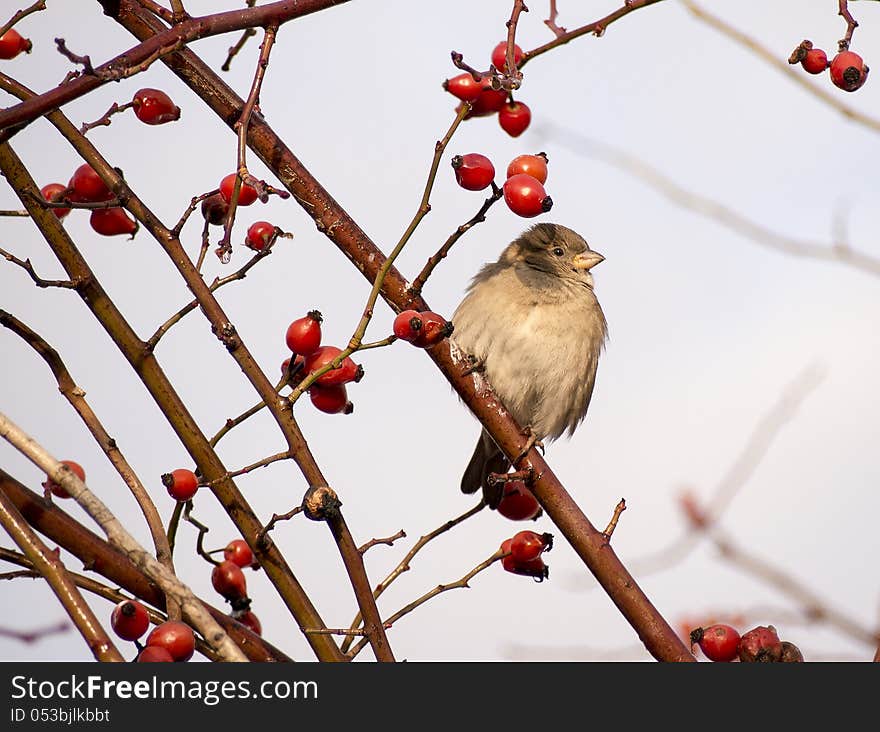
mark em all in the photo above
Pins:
pixel 533 325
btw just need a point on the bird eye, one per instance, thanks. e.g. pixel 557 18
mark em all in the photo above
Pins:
pixel 558 251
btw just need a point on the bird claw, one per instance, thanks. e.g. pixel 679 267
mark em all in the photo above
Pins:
pixel 531 441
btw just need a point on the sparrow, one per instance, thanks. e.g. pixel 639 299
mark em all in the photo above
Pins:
pixel 532 325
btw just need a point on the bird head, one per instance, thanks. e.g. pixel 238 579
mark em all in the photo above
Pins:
pixel 554 249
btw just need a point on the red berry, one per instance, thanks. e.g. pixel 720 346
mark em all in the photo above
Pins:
pixel 214 209
pixel 112 221
pixel 718 642
pixel 58 490
pixel 238 552
pixel 517 503
pixel 304 334
pixel 228 579
pixel 154 107
pixel 533 165
pixel 55 192
pixel 489 101
pixel 499 55
pixel 246 194
pixel 250 620
pixel 473 171
pixel 175 637
pixel 528 545
pixel 525 196
pixel 408 325
pixel 259 235
pixel 791 653
pixel 182 484
pixel 760 644
pixel 86 186
pixel 815 61
pixel 464 87
pixel 434 329
pixel 848 71
pixel 12 44
pixel 154 654
pixel 533 568
pixel 347 371
pixel 514 118
pixel 331 399
pixel 129 620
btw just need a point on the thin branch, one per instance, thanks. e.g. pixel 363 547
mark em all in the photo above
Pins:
pixel 242 126
pixel 19 14
pixel 781 65
pixel 558 30
pixel 851 25
pixel 512 76
pixel 234 50
pixel 597 28
pixel 104 120
pixel 388 541
pixel 47 563
pixel 711 209
pixel 285 455
pixel 26 265
pixel 458 584
pixel 480 216
pixel 276 517
pixel 612 524
pixel 421 212
pixel 193 610
pixel 76 397
pixel 29 637
pixel 404 565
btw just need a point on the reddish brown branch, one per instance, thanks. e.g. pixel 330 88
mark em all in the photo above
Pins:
pixel 19 14
pixel 100 557
pixel 851 25
pixel 551 21
pixel 388 541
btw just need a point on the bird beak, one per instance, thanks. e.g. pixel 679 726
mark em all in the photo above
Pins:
pixel 586 260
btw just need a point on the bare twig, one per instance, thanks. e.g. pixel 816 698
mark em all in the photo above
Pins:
pixel 105 120
pixel 276 517
pixel 711 209
pixel 404 565
pixel 435 259
pixel 193 610
pixel 19 14
pixel 29 637
pixel 558 30
pixel 462 583
pixel 612 524
pixel 388 540
pixel 851 25
pixel 26 265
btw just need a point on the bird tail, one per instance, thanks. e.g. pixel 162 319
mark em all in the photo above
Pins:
pixel 487 458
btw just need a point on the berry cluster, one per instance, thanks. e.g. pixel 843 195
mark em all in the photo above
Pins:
pixel 721 642
pixel 229 580
pixel 523 190
pixel 328 392
pixel 423 329
pixel 848 70
pixel 86 186
pixel 486 100
pixel 168 642
pixel 523 554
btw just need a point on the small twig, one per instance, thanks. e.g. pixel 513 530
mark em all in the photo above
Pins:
pixel 276 517
pixel 241 127
pixel 419 282
pixel 193 204
pixel 84 61
pixel 851 25
pixel 253 466
pixel 421 212
pixel 458 62
pixel 558 30
pixel 458 584
pixel 240 274
pixel 404 565
pixel 234 50
pixel 26 265
pixel 388 540
pixel 157 10
pixel 15 212
pixel 511 78
pixel 339 631
pixel 200 539
pixel 19 14
pixel 104 121
pixel 612 524
pixel 114 71
pixel 28 637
